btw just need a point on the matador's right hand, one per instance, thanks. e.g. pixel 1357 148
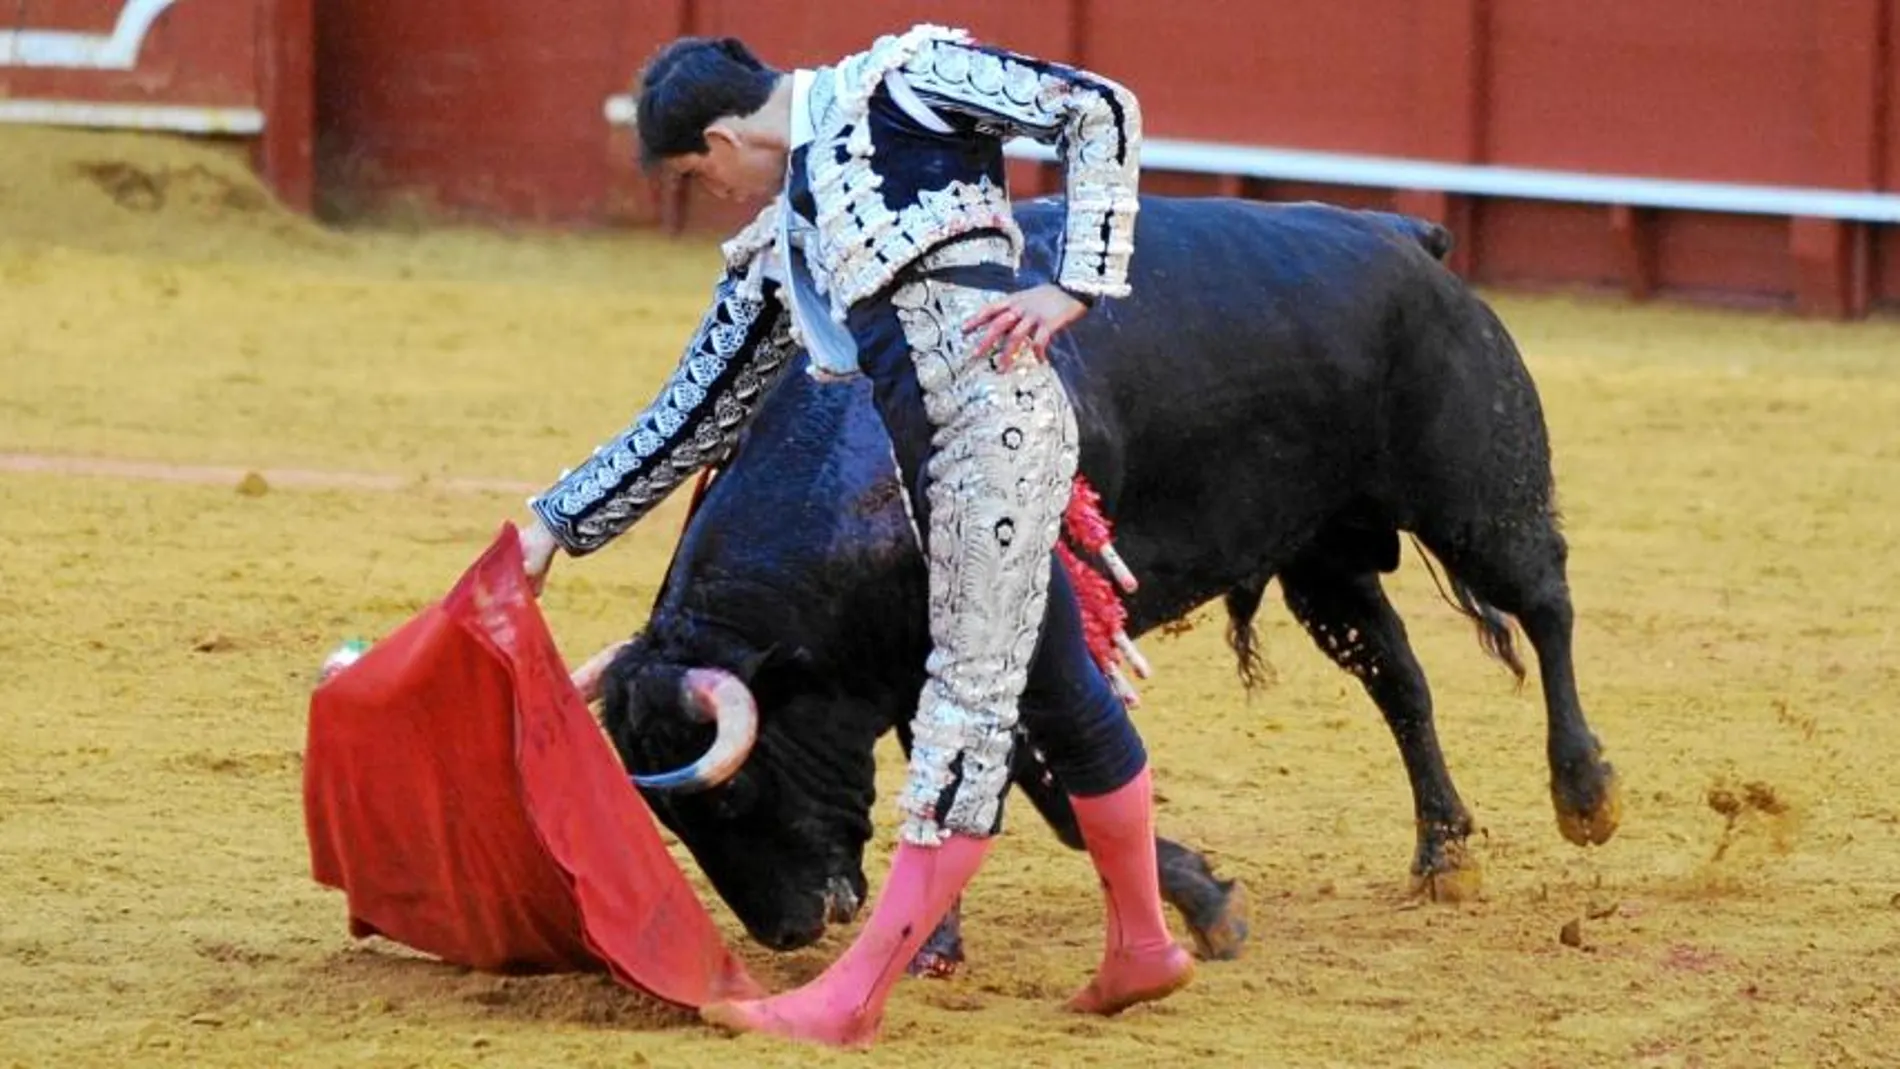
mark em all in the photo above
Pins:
pixel 1021 325
pixel 538 546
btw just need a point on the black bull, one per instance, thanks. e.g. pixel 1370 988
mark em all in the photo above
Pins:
pixel 1289 388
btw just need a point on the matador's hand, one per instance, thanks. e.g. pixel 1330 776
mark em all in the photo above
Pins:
pixel 1021 325
pixel 538 545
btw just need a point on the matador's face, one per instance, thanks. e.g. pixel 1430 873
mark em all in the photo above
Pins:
pixel 736 165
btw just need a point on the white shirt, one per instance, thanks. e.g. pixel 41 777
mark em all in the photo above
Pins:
pixel 833 352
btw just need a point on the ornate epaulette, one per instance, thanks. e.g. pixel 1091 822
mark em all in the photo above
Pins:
pixel 745 251
pixel 754 238
pixel 860 242
pixel 860 74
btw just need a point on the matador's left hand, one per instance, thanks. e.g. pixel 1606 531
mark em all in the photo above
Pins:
pixel 1021 325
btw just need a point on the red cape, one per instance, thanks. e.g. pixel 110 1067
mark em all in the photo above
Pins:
pixel 460 794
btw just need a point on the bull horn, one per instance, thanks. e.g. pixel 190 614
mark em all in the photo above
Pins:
pixel 713 696
pixel 588 677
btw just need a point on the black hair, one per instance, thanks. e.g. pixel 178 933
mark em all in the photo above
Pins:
pixel 692 83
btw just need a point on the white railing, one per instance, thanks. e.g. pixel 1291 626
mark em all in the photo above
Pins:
pixel 1484 180
pixel 1474 179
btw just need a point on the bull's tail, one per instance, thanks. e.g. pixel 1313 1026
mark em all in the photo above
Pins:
pixel 1495 634
pixel 1242 603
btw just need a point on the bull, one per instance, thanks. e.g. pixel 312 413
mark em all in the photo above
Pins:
pixel 1290 389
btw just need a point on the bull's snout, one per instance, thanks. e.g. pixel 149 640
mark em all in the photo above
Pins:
pixel 798 928
pixel 841 901
pixel 789 937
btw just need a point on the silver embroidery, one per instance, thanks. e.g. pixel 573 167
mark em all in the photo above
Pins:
pixel 752 239
pixel 865 251
pixel 997 485
pixel 593 503
pixel 969 253
pixel 1096 120
pixel 744 252
pixel 859 244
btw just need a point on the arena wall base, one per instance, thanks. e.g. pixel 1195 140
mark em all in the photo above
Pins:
pixel 233 69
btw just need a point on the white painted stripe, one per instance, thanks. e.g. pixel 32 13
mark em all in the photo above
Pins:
pixel 117 51
pixel 216 475
pixel 179 117
pixel 1385 172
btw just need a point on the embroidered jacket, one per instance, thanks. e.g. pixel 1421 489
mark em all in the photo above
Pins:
pixel 905 152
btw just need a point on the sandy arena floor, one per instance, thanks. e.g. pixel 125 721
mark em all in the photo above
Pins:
pixel 1729 481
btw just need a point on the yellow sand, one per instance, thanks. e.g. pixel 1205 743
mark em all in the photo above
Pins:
pixel 1732 502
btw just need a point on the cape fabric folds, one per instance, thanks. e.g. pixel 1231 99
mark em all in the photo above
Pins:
pixel 459 793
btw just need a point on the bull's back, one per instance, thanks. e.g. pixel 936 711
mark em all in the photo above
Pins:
pixel 1238 306
pixel 1221 407
pixel 1230 407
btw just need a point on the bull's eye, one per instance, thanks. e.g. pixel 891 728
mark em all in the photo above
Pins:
pixel 735 798
pixel 1005 532
pixel 1013 438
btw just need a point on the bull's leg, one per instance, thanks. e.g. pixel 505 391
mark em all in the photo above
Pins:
pixel 1517 566
pixel 1216 911
pixel 942 952
pixel 1351 621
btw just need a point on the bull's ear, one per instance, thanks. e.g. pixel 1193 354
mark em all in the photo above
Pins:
pixel 749 665
pixel 777 655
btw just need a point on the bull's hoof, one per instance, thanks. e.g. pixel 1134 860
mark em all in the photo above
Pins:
pixel 1447 871
pixel 1215 911
pixel 1219 931
pixel 1591 815
pixel 942 953
pixel 934 965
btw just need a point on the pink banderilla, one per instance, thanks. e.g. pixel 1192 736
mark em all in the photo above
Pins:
pixel 1104 617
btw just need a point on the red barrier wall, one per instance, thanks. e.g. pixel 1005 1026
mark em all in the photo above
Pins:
pixel 481 106
pixel 1714 89
pixel 220 67
pixel 490 107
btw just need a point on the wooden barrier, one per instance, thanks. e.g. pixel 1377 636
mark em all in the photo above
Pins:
pixel 490 107
pixel 210 67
